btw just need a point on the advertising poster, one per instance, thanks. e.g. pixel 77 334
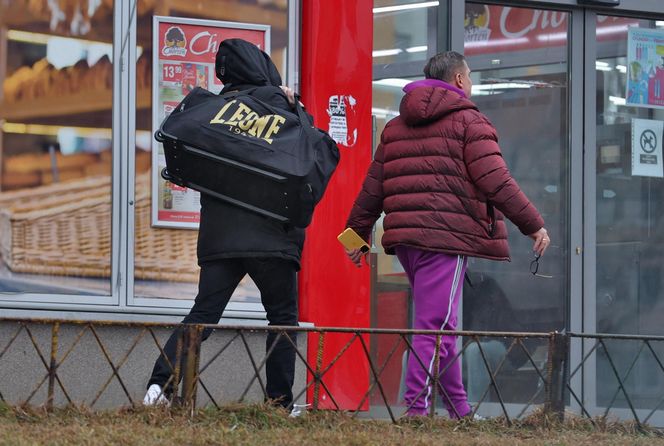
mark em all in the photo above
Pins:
pixel 183 59
pixel 647 148
pixel 645 67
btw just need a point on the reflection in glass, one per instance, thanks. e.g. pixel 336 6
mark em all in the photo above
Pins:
pixel 403 31
pixel 630 228
pixel 55 148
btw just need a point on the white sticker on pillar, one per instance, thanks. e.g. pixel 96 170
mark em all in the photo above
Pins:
pixel 343 123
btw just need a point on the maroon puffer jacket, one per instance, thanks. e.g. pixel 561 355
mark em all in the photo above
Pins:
pixel 438 174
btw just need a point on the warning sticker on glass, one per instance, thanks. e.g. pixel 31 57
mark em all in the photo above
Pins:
pixel 647 148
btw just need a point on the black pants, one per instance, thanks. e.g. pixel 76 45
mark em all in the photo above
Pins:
pixel 276 280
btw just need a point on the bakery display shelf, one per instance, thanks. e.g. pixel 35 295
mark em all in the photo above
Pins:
pixel 65 106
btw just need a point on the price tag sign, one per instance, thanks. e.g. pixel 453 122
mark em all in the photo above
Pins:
pixel 171 74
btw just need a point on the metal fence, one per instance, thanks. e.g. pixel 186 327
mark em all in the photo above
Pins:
pixel 626 372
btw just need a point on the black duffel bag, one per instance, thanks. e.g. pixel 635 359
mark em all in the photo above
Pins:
pixel 248 153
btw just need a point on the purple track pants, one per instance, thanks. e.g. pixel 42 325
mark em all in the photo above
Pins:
pixel 437 282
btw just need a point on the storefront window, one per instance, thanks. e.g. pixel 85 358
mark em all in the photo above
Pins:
pixel 55 148
pixel 520 69
pixel 164 249
pixel 404 31
pixel 630 211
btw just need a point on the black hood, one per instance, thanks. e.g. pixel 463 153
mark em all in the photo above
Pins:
pixel 239 62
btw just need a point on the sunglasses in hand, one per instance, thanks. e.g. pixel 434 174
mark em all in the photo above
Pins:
pixel 534 268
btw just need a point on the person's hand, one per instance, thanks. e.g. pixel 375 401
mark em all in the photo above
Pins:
pixel 290 94
pixel 355 255
pixel 542 241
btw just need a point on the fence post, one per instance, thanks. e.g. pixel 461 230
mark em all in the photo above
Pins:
pixel 191 346
pixel 556 375
pixel 319 366
pixel 55 331
pixel 436 371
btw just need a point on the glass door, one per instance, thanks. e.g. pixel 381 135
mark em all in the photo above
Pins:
pixel 520 62
pixel 519 58
pixel 624 158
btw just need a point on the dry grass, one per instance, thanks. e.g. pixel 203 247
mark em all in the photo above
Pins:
pixel 261 425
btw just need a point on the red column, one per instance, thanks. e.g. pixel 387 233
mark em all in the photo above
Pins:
pixel 336 73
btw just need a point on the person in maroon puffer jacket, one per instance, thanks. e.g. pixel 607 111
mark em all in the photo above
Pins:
pixel 439 176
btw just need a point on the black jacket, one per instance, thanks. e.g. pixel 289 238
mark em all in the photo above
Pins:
pixel 225 230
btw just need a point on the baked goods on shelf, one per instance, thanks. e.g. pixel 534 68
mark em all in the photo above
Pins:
pixel 36 169
pixel 280 4
pixel 42 80
pixel 144 70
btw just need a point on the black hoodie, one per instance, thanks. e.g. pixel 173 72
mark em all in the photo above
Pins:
pixel 239 62
pixel 225 230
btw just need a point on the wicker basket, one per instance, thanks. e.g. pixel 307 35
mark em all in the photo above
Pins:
pixel 65 229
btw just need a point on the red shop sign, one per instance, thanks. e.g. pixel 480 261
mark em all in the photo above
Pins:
pixel 496 29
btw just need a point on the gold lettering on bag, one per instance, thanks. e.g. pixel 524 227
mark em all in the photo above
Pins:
pixel 245 121
pixel 274 128
pixel 239 114
pixel 248 121
pixel 258 126
pixel 217 119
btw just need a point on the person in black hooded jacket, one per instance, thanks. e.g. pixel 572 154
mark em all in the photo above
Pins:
pixel 233 242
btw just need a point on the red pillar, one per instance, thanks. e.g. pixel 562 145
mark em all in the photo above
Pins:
pixel 336 74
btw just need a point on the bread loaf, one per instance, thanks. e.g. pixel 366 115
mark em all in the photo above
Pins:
pixel 97 169
pixel 13 85
pixel 41 162
pixel 38 8
pixel 76 77
pixel 144 70
pixel 11 180
pixel 43 85
pixel 143 161
pixel 100 75
pixel 63 175
pixel 146 6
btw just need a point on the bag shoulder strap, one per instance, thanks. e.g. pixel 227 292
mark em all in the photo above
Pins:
pixel 304 119
pixel 232 94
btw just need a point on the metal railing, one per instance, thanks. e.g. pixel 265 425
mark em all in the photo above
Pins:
pixel 544 360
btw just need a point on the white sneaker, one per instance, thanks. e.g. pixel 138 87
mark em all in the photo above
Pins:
pixel 155 396
pixel 298 410
pixel 474 416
